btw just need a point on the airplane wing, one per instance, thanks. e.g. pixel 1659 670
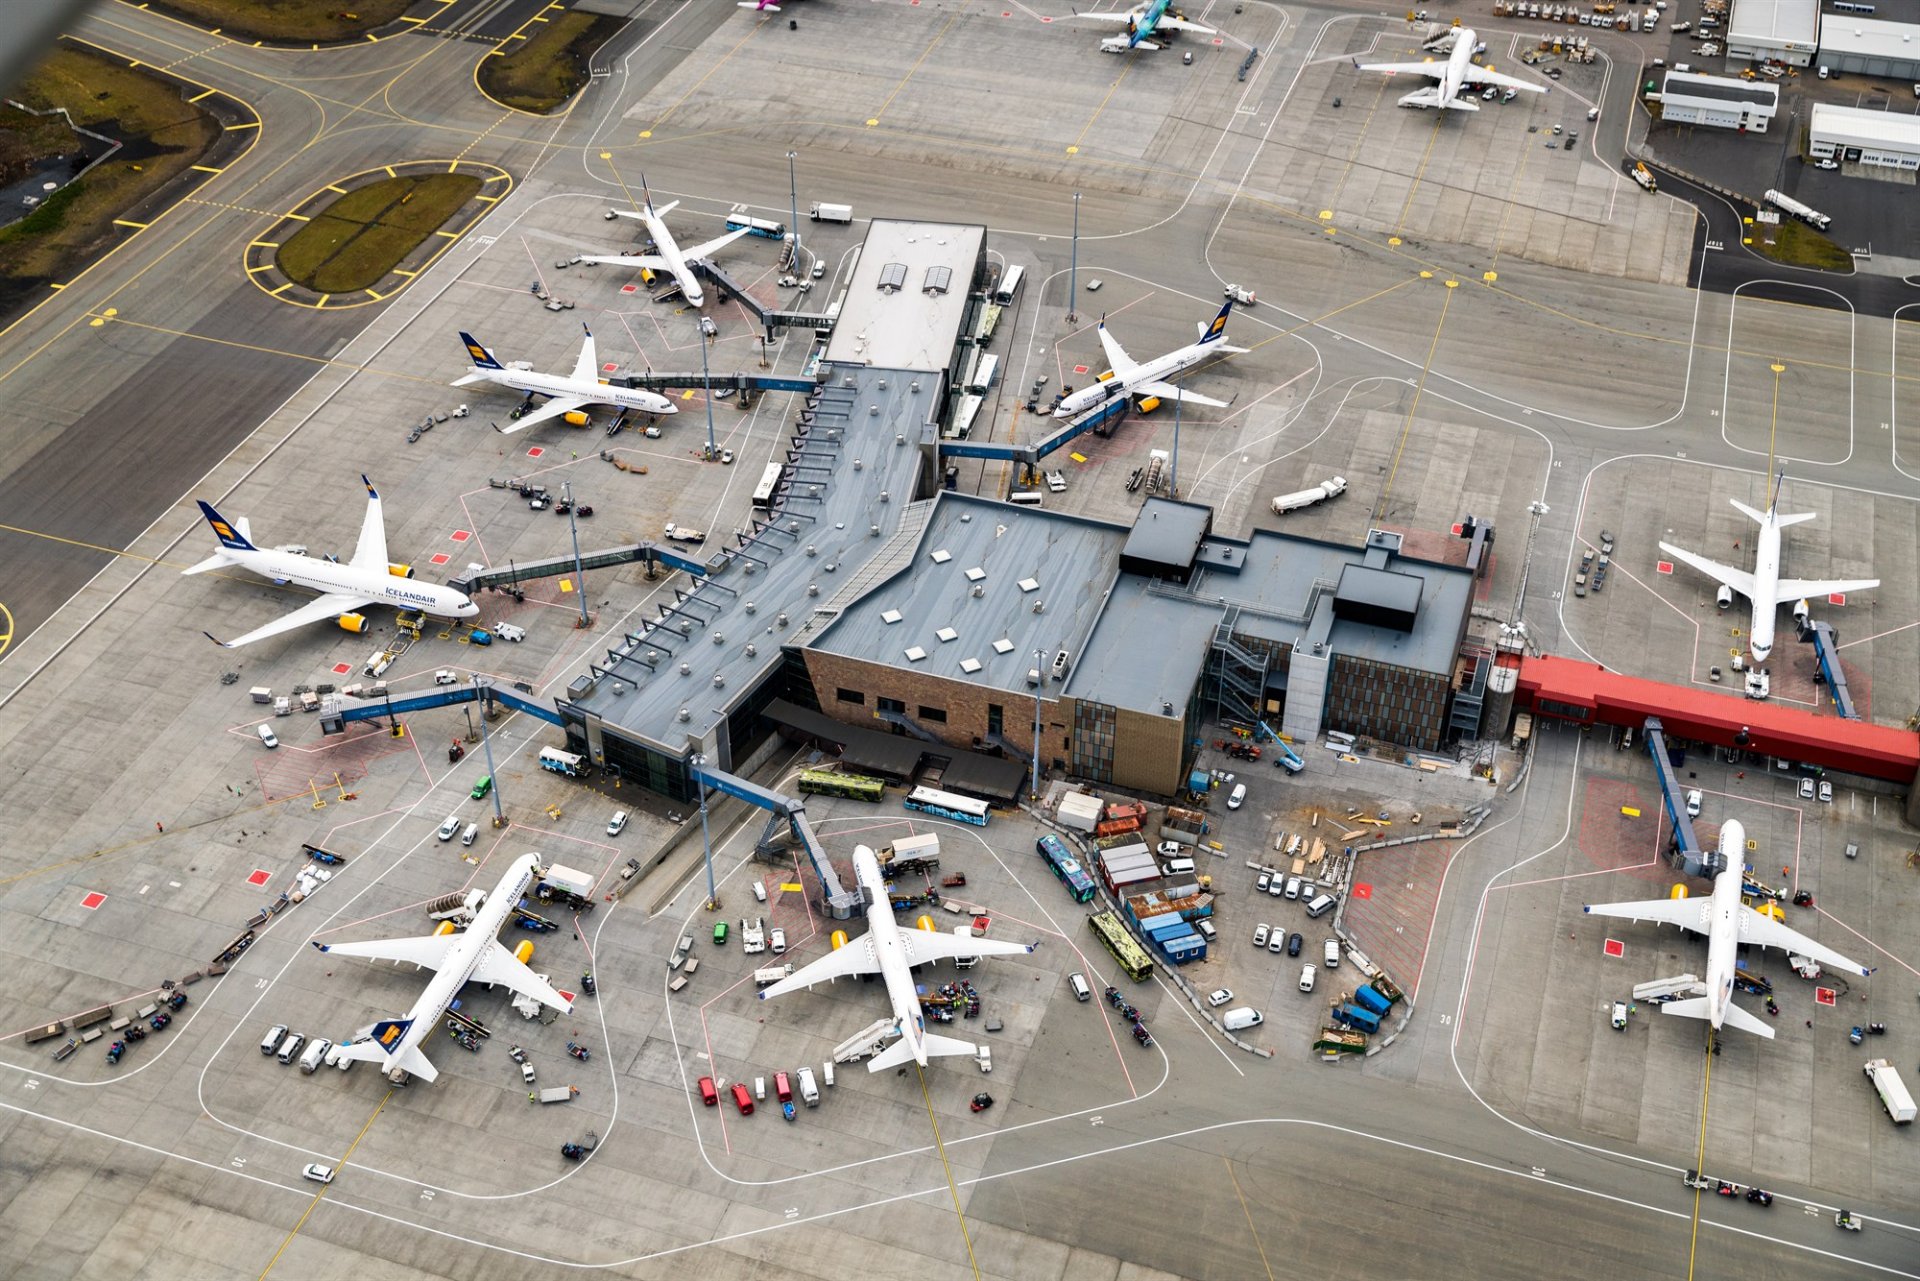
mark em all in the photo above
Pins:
pixel 371 552
pixel 430 951
pixel 1167 391
pixel 1738 579
pixel 1122 16
pixel 1484 76
pixel 321 610
pixel 497 965
pixel 707 250
pixel 1768 932
pixel 846 962
pixel 1181 24
pixel 1793 589
pixel 923 946
pixel 1687 913
pixel 652 262
pixel 552 409
pixel 587 368
pixel 1429 69
pixel 1117 356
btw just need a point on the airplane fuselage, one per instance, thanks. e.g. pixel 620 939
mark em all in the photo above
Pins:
pixel 669 251
pixel 1459 58
pixel 1155 370
pixel 1766 593
pixel 1723 936
pixel 633 398
pixel 894 970
pixel 331 578
pixel 471 946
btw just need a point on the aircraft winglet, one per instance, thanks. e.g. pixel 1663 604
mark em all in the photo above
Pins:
pixel 216 640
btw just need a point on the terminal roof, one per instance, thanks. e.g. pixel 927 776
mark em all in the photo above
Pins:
pixel 907 300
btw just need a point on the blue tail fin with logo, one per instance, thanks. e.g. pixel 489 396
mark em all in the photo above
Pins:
pixel 231 538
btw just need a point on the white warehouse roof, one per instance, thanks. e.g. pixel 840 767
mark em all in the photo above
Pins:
pixel 1854 126
pixel 1783 23
pixel 1870 38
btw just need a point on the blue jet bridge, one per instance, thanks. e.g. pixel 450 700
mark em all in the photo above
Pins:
pixel 784 811
pixel 1826 648
pixel 1687 852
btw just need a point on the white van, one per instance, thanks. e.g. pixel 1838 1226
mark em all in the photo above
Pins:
pixel 809 1092
pixel 449 828
pixel 1078 982
pixel 1331 954
pixel 1178 867
pixel 1206 931
pixel 759 892
pixel 271 1042
pixel 446 676
pixel 471 834
pixel 291 1046
pixel 316 1054
pixel 1240 1018
pixel 1321 905
pixel 1237 796
pixel 267 736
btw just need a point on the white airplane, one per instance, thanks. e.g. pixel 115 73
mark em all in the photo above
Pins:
pixel 1130 377
pixel 667 256
pixel 472 956
pixel 891 952
pixel 1726 924
pixel 368 579
pixel 566 393
pixel 1141 23
pixel 1764 587
pixel 1457 73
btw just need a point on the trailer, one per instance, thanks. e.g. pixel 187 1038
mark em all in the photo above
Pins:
pixel 1891 1089
pixel 558 1094
pixel 820 212
pixel 1804 212
pixel 1308 497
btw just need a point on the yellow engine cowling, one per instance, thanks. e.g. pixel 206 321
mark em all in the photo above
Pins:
pixel 1678 892
pixel 926 923
pixel 400 571
pixel 524 953
pixel 575 418
pixel 353 622
pixel 444 928
pixel 839 939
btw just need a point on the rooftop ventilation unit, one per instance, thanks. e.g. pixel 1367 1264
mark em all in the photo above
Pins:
pixel 883 495
pixel 938 280
pixel 916 386
pixel 719 681
pixel 618 689
pixel 1039 607
pixel 719 638
pixel 893 278
pixel 1166 708
pixel 969 665
pixel 750 607
pixel 813 589
pixel 873 531
pixel 979 590
pixel 753 650
pixel 947 635
pixel 915 654
pixel 781 620
pixel 686 669
pixel 685 715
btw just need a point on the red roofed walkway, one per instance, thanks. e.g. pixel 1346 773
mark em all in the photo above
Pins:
pixel 1589 694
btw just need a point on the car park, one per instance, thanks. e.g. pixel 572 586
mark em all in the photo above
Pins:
pixel 1219 997
pixel 1260 935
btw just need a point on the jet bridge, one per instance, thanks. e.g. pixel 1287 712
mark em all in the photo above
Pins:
pixel 842 904
pixel 1687 852
pixel 1826 647
pixel 334 719
pixel 726 288
pixel 1101 415
pixel 507 575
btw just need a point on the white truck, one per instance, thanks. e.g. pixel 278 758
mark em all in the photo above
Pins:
pixel 830 213
pixel 565 879
pixel 1804 212
pixel 1892 1090
pixel 768 975
pixel 1308 497
pixel 753 935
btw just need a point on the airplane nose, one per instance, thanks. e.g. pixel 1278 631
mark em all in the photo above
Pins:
pixel 1760 652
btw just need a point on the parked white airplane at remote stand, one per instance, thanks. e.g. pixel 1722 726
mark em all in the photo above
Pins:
pixel 368 579
pixel 472 956
pixel 1764 587
pixel 891 952
pixel 668 256
pixel 1456 74
pixel 1129 376
pixel 1727 924
pixel 566 393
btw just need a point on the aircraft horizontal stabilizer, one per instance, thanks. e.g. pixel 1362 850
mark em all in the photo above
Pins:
pixel 468 380
pixel 946 1046
pixel 1463 104
pixel 899 1054
pixel 418 1064
pixel 215 561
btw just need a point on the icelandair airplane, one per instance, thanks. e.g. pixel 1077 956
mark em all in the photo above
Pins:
pixel 670 257
pixel 1457 73
pixel 368 579
pixel 1764 587
pixel 566 393
pixel 1142 22
pixel 1130 377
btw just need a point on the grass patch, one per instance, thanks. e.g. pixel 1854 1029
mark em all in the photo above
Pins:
pixel 315 21
pixel 1801 246
pixel 549 68
pixel 366 233
pixel 161 134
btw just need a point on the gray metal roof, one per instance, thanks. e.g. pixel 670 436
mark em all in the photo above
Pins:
pixel 823 537
pixel 1147 649
pixel 1684 85
pixel 907 325
pixel 988 584
pixel 1168 532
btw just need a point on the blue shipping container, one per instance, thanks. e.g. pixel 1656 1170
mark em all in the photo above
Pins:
pixel 1372 1000
pixel 1354 1016
pixel 1181 950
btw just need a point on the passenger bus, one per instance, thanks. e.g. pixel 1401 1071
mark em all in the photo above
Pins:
pixel 1114 937
pixel 961 809
pixel 985 372
pixel 1009 285
pixel 964 417
pixel 769 485
pixel 855 787
pixel 1066 867
pixel 764 228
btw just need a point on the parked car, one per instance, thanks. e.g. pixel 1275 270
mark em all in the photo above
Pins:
pixel 1693 803
pixel 1306 978
pixel 1806 789
pixel 1219 997
pixel 1826 791
pixel 1278 942
pixel 617 823
pixel 1262 881
pixel 268 737
pixel 318 1173
pixel 1294 943
pixel 1260 935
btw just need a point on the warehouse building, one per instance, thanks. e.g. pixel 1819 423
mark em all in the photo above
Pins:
pixel 1870 47
pixel 1786 31
pixel 1718 102
pixel 1856 136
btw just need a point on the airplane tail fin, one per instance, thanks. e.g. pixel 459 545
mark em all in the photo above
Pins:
pixel 1737 1017
pixel 232 538
pixel 1216 329
pixel 481 357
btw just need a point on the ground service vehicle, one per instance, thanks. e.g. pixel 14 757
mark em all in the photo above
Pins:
pixel 318 1173
pixel 1240 1018
pixel 1308 497
pixel 449 828
pixel 558 1094
pixel 556 761
pixel 316 1052
pixel 1131 957
pixel 809 1092
pixel 961 809
pixel 276 1034
pixel 1067 868
pixel 819 212
pixel 742 1099
pixel 1892 1090
pixel 291 1047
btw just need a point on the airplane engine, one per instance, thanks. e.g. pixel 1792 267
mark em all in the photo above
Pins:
pixel 524 953
pixel 575 418
pixel 839 939
pixel 1724 597
pixel 925 923
pixel 400 571
pixel 1678 891
pixel 353 622
pixel 445 927
pixel 1800 610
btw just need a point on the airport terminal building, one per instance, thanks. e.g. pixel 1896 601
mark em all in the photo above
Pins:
pixel 915 631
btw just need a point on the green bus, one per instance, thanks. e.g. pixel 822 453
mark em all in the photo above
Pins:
pixel 855 787
pixel 1125 949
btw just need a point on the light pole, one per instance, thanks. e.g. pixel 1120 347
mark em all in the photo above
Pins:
pixel 1073 261
pixel 483 684
pixel 1173 472
pixel 579 572
pixel 707 382
pixel 793 195
pixel 698 762
pixel 1039 688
